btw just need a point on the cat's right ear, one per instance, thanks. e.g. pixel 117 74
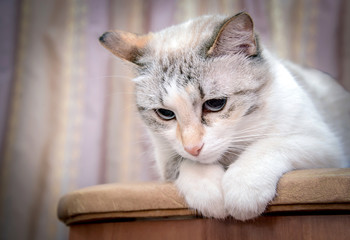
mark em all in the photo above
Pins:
pixel 125 45
pixel 235 36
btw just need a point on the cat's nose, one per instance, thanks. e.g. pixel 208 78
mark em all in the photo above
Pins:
pixel 194 151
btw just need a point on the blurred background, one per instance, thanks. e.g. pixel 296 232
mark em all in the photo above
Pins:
pixel 67 116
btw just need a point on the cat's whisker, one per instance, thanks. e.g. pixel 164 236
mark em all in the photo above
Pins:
pixel 248 139
pixel 255 128
pixel 264 135
pixel 236 151
pixel 238 147
pixel 258 131
pixel 230 152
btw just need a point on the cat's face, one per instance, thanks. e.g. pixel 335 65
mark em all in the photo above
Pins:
pixel 200 105
pixel 198 88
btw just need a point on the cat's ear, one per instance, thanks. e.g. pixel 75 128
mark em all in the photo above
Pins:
pixel 125 45
pixel 235 36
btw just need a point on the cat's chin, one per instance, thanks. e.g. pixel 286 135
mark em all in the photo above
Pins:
pixel 204 159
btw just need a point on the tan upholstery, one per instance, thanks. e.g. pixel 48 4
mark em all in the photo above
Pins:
pixel 314 189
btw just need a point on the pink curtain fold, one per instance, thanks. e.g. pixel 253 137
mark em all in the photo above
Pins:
pixel 67 114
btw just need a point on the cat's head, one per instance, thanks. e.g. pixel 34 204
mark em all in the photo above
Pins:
pixel 199 84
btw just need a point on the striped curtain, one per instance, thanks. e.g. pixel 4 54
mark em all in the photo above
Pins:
pixel 67 115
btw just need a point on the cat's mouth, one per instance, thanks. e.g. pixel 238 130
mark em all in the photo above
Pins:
pixel 203 156
pixel 207 155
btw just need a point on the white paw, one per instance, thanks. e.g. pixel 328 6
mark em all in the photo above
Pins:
pixel 246 197
pixel 201 186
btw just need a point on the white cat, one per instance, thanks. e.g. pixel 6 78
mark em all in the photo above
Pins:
pixel 227 118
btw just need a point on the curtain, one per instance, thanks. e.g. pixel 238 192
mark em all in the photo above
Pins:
pixel 67 115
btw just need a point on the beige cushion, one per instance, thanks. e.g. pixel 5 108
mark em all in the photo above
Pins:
pixel 301 190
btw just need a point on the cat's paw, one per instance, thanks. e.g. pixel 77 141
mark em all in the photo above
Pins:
pixel 246 197
pixel 201 186
pixel 207 199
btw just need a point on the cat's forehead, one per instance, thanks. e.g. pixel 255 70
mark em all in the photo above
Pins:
pixel 186 77
pixel 185 68
pixel 180 51
pixel 190 35
pixel 172 76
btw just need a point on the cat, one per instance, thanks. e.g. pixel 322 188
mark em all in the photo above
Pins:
pixel 227 118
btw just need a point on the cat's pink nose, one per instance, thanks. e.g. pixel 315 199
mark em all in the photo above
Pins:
pixel 194 151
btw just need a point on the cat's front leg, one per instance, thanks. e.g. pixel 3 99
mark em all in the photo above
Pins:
pixel 249 184
pixel 200 184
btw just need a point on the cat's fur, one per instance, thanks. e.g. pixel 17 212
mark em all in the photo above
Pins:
pixel 278 116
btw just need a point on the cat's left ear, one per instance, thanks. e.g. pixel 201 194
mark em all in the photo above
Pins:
pixel 125 45
pixel 235 36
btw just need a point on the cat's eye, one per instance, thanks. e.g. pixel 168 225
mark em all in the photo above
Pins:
pixel 165 114
pixel 214 105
